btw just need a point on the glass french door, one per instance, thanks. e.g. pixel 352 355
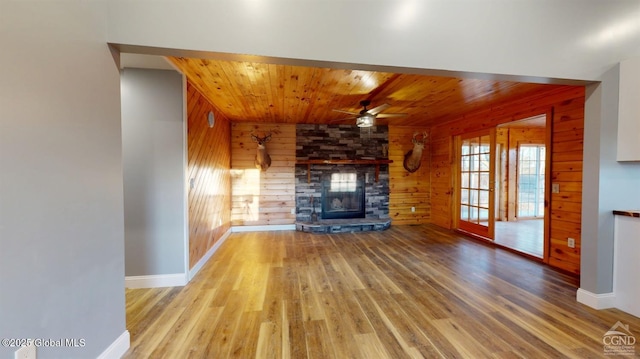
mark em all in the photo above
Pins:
pixel 476 183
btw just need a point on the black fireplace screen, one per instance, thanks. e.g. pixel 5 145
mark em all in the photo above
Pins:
pixel 343 202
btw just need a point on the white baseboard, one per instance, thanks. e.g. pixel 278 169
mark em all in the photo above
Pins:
pixel 275 227
pixel 196 268
pixel 156 281
pixel 117 349
pixel 596 301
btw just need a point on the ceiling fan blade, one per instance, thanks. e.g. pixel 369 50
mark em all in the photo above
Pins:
pixel 347 112
pixel 390 115
pixel 339 120
pixel 377 110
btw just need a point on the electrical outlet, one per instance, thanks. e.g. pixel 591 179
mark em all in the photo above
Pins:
pixel 413 209
pixel 293 211
pixel 571 242
pixel 26 352
pixel 555 188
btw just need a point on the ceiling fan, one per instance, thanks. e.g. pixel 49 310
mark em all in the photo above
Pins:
pixel 366 117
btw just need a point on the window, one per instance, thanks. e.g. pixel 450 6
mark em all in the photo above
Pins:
pixel 531 165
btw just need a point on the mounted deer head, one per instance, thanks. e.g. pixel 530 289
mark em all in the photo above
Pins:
pixel 262 160
pixel 413 158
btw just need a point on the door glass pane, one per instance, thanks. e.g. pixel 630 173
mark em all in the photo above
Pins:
pixel 465 180
pixel 473 197
pixel 473 214
pixel 484 180
pixel 473 180
pixel 464 213
pixel 484 199
pixel 484 162
pixel 484 215
pixel 464 196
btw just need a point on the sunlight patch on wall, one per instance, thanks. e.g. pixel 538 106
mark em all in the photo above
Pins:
pixel 245 190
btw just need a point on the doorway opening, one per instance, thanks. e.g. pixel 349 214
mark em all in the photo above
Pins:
pixel 522 177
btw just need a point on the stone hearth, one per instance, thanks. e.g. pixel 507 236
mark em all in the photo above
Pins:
pixel 344 225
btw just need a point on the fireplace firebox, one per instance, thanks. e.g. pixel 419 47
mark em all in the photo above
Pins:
pixel 343 197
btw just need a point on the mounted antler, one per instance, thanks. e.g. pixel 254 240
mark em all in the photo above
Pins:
pixel 413 158
pixel 262 160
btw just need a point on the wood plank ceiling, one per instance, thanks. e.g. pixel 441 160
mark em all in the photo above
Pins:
pixel 269 93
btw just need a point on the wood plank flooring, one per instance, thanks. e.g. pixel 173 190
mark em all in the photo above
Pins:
pixel 408 292
pixel 525 235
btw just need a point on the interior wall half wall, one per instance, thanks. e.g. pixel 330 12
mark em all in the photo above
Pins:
pixel 153 155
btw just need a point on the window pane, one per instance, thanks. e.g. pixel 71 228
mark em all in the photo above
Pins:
pixel 531 167
pixel 464 196
pixel 484 215
pixel 473 198
pixel 474 165
pixel 473 214
pixel 464 213
pixel 484 162
pixel 484 181
pixel 484 198
pixel 465 163
pixel 465 180
pixel 473 180
pixel 475 145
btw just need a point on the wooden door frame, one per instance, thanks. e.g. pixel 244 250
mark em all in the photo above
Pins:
pixel 547 187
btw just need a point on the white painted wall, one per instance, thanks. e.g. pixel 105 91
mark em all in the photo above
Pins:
pixel 154 189
pixel 607 184
pixel 629 111
pixel 541 38
pixel 627 264
pixel 528 40
pixel 61 213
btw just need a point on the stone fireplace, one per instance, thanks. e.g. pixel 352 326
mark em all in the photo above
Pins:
pixel 343 188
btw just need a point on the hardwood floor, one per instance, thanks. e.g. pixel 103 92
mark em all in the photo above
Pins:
pixel 526 235
pixel 408 292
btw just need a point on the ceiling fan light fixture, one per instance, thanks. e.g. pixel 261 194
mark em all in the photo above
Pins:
pixel 366 120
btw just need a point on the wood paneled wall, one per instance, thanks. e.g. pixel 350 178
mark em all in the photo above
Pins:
pixel 209 160
pixel 566 170
pixel 263 198
pixel 406 189
pixel 567 105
